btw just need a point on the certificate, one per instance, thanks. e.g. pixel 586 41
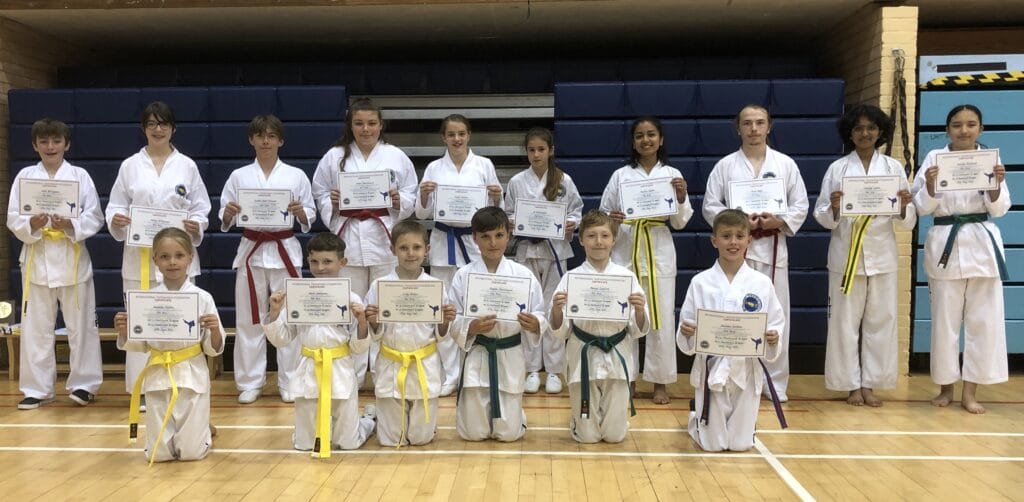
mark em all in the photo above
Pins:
pixel 165 316
pixel 870 195
pixel 457 204
pixel 761 195
pixel 262 207
pixel 966 170
pixel 648 198
pixel 364 190
pixel 410 301
pixel 502 295
pixel 739 334
pixel 538 218
pixel 317 301
pixel 598 297
pixel 147 221
pixel 59 197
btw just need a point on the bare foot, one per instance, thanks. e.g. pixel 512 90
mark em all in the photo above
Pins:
pixel 944 397
pixel 869 398
pixel 969 400
pixel 855 398
pixel 660 394
pixel 213 430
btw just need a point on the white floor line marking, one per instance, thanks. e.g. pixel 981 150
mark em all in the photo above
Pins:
pixel 948 458
pixel 565 429
pixel 783 473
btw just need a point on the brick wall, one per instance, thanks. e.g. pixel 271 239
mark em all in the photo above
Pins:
pixel 860 50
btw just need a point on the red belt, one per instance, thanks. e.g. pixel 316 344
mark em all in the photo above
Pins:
pixel 760 233
pixel 258 239
pixel 364 214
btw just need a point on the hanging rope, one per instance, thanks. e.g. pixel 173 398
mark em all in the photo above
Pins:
pixel 898 111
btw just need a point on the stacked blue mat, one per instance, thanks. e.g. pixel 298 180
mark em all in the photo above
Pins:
pixel 592 140
pixel 1004 129
pixel 211 128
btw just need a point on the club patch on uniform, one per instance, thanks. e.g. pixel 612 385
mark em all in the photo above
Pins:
pixel 751 303
pixel 768 174
pixel 180 190
pixel 561 191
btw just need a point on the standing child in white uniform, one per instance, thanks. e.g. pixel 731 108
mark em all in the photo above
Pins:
pixel 160 177
pixel 326 411
pixel 768 252
pixel 964 258
pixel 266 256
pixel 56 271
pixel 545 257
pixel 490 403
pixel 451 246
pixel 408 369
pixel 598 360
pixel 362 148
pixel 176 428
pixel 728 389
pixel 860 355
pixel 644 237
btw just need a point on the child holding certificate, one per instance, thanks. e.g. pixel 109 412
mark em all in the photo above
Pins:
pixel 176 378
pixel 860 355
pixel 450 243
pixel 56 271
pixel 160 177
pixel 362 149
pixel 490 403
pixel 964 258
pixel 728 388
pixel 645 245
pixel 408 370
pixel 268 253
pixel 598 360
pixel 326 410
pixel 768 254
pixel 543 181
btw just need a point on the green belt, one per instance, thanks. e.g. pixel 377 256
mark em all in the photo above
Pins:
pixel 606 344
pixel 958 220
pixel 493 345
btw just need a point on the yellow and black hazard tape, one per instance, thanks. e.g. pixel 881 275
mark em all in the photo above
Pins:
pixel 977 80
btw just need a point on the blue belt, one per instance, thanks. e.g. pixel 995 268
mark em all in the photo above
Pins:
pixel 551 245
pixel 455 235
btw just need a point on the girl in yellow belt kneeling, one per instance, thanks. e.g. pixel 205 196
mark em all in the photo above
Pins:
pixel 409 373
pixel 324 383
pixel 176 380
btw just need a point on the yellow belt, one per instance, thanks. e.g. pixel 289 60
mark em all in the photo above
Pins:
pixel 324 365
pixel 405 359
pixel 144 268
pixel 167 359
pixel 643 227
pixel 51 234
pixel 860 227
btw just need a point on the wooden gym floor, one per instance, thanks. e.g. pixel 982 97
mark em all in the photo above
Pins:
pixel 906 450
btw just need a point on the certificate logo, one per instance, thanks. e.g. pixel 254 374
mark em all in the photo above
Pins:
pixel 944 183
pixel 137 329
pixel 629 210
pixel 27 207
pixel 386 313
pixel 473 308
pixel 574 309
pixel 136 237
pixel 295 314
pixel 346 201
pixel 849 207
pixel 704 344
pixel 440 212
pixel 520 226
pixel 751 303
pixel 244 217
pixel 435 308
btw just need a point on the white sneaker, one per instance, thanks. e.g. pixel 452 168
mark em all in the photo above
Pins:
pixel 370 411
pixel 532 382
pixel 553 385
pixel 448 389
pixel 286 396
pixel 249 396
